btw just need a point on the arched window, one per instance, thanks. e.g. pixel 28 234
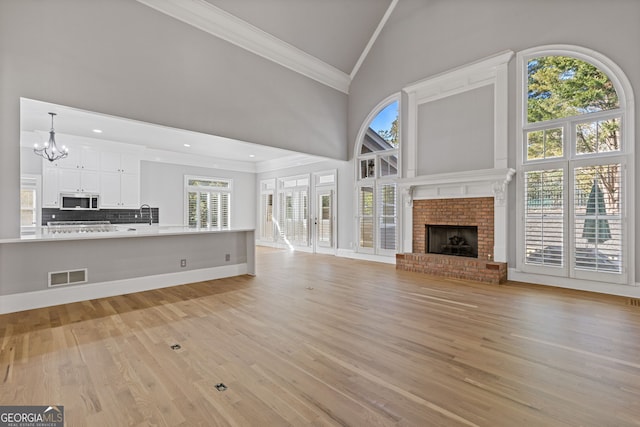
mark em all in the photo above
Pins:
pixel 574 198
pixel 377 171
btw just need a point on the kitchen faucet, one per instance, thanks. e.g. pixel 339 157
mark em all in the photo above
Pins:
pixel 150 213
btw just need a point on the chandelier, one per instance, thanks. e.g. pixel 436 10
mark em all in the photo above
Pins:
pixel 50 150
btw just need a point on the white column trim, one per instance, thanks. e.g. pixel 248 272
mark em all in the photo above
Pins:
pixel 490 71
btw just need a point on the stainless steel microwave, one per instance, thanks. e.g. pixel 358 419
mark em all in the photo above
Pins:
pixel 79 201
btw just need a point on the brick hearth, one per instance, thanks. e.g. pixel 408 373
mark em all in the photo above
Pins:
pixel 475 211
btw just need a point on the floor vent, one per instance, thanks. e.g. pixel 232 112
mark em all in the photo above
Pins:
pixel 72 277
pixel 634 302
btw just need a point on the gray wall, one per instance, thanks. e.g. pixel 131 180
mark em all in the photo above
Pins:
pixel 345 189
pixel 126 258
pixel 422 39
pixel 122 58
pixel 456 133
pixel 162 185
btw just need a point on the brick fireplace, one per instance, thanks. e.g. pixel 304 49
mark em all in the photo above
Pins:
pixel 473 211
pixel 477 199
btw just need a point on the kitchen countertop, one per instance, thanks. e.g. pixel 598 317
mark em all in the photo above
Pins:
pixel 124 231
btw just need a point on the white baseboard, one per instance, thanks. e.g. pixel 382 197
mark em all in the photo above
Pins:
pixel 632 291
pixel 64 295
pixel 348 253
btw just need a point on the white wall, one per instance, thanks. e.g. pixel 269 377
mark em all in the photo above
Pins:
pixel 162 186
pixel 125 59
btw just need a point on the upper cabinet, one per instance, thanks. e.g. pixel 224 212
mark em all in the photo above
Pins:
pixel 114 175
pixel 120 180
pixel 111 161
pixel 81 158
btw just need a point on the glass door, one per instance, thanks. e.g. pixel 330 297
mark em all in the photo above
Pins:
pixel 324 221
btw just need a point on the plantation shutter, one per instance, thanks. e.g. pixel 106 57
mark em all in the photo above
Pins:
pixel 544 217
pixel 365 213
pixel 598 218
pixel 225 213
pixel 386 209
pixel 208 202
pixel 294 216
pixel 266 226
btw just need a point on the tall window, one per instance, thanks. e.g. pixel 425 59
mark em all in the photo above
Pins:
pixel 208 202
pixel 267 188
pixel 29 211
pixel 377 170
pixel 293 212
pixel 574 158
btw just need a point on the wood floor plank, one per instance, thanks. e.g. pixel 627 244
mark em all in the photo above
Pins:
pixel 315 340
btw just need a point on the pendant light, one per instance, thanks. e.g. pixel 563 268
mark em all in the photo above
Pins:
pixel 50 150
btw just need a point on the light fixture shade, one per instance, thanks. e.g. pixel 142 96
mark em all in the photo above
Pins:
pixel 50 150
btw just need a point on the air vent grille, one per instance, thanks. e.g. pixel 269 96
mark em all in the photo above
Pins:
pixel 71 277
pixel 634 302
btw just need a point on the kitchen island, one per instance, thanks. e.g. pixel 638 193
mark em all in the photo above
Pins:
pixel 131 259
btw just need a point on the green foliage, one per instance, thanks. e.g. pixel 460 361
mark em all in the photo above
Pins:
pixel 560 86
pixel 390 135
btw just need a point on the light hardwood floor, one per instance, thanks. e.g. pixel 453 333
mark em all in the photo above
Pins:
pixel 318 340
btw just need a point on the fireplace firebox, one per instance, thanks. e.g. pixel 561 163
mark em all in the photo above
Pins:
pixel 456 240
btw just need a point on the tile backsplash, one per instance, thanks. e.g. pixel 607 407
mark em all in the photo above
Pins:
pixel 115 216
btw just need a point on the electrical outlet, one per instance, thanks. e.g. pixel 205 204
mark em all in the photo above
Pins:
pixel 183 263
pixel 135 215
pixel 53 216
pixel 227 257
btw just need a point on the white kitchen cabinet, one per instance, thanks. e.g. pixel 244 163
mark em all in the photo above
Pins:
pixel 114 175
pixel 119 162
pixel 81 158
pixel 119 190
pixel 79 181
pixel 130 190
pixel 50 188
pixel 110 190
pixel 120 180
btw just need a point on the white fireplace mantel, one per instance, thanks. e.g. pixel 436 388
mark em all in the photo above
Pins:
pixel 478 183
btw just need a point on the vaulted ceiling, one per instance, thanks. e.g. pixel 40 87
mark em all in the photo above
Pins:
pixel 334 31
pixel 325 40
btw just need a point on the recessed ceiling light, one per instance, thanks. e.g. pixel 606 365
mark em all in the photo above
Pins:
pixel 187 145
pixel 252 155
pixel 97 131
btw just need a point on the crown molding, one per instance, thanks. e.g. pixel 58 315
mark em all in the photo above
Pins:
pixel 373 38
pixel 460 79
pixel 285 162
pixel 226 26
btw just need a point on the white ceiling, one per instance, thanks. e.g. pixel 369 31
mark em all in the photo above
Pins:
pixel 34 117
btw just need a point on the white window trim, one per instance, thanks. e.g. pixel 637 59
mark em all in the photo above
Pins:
pixel 267 186
pixel 187 188
pixel 376 179
pixel 36 180
pixel 325 180
pixel 284 184
pixel 625 156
